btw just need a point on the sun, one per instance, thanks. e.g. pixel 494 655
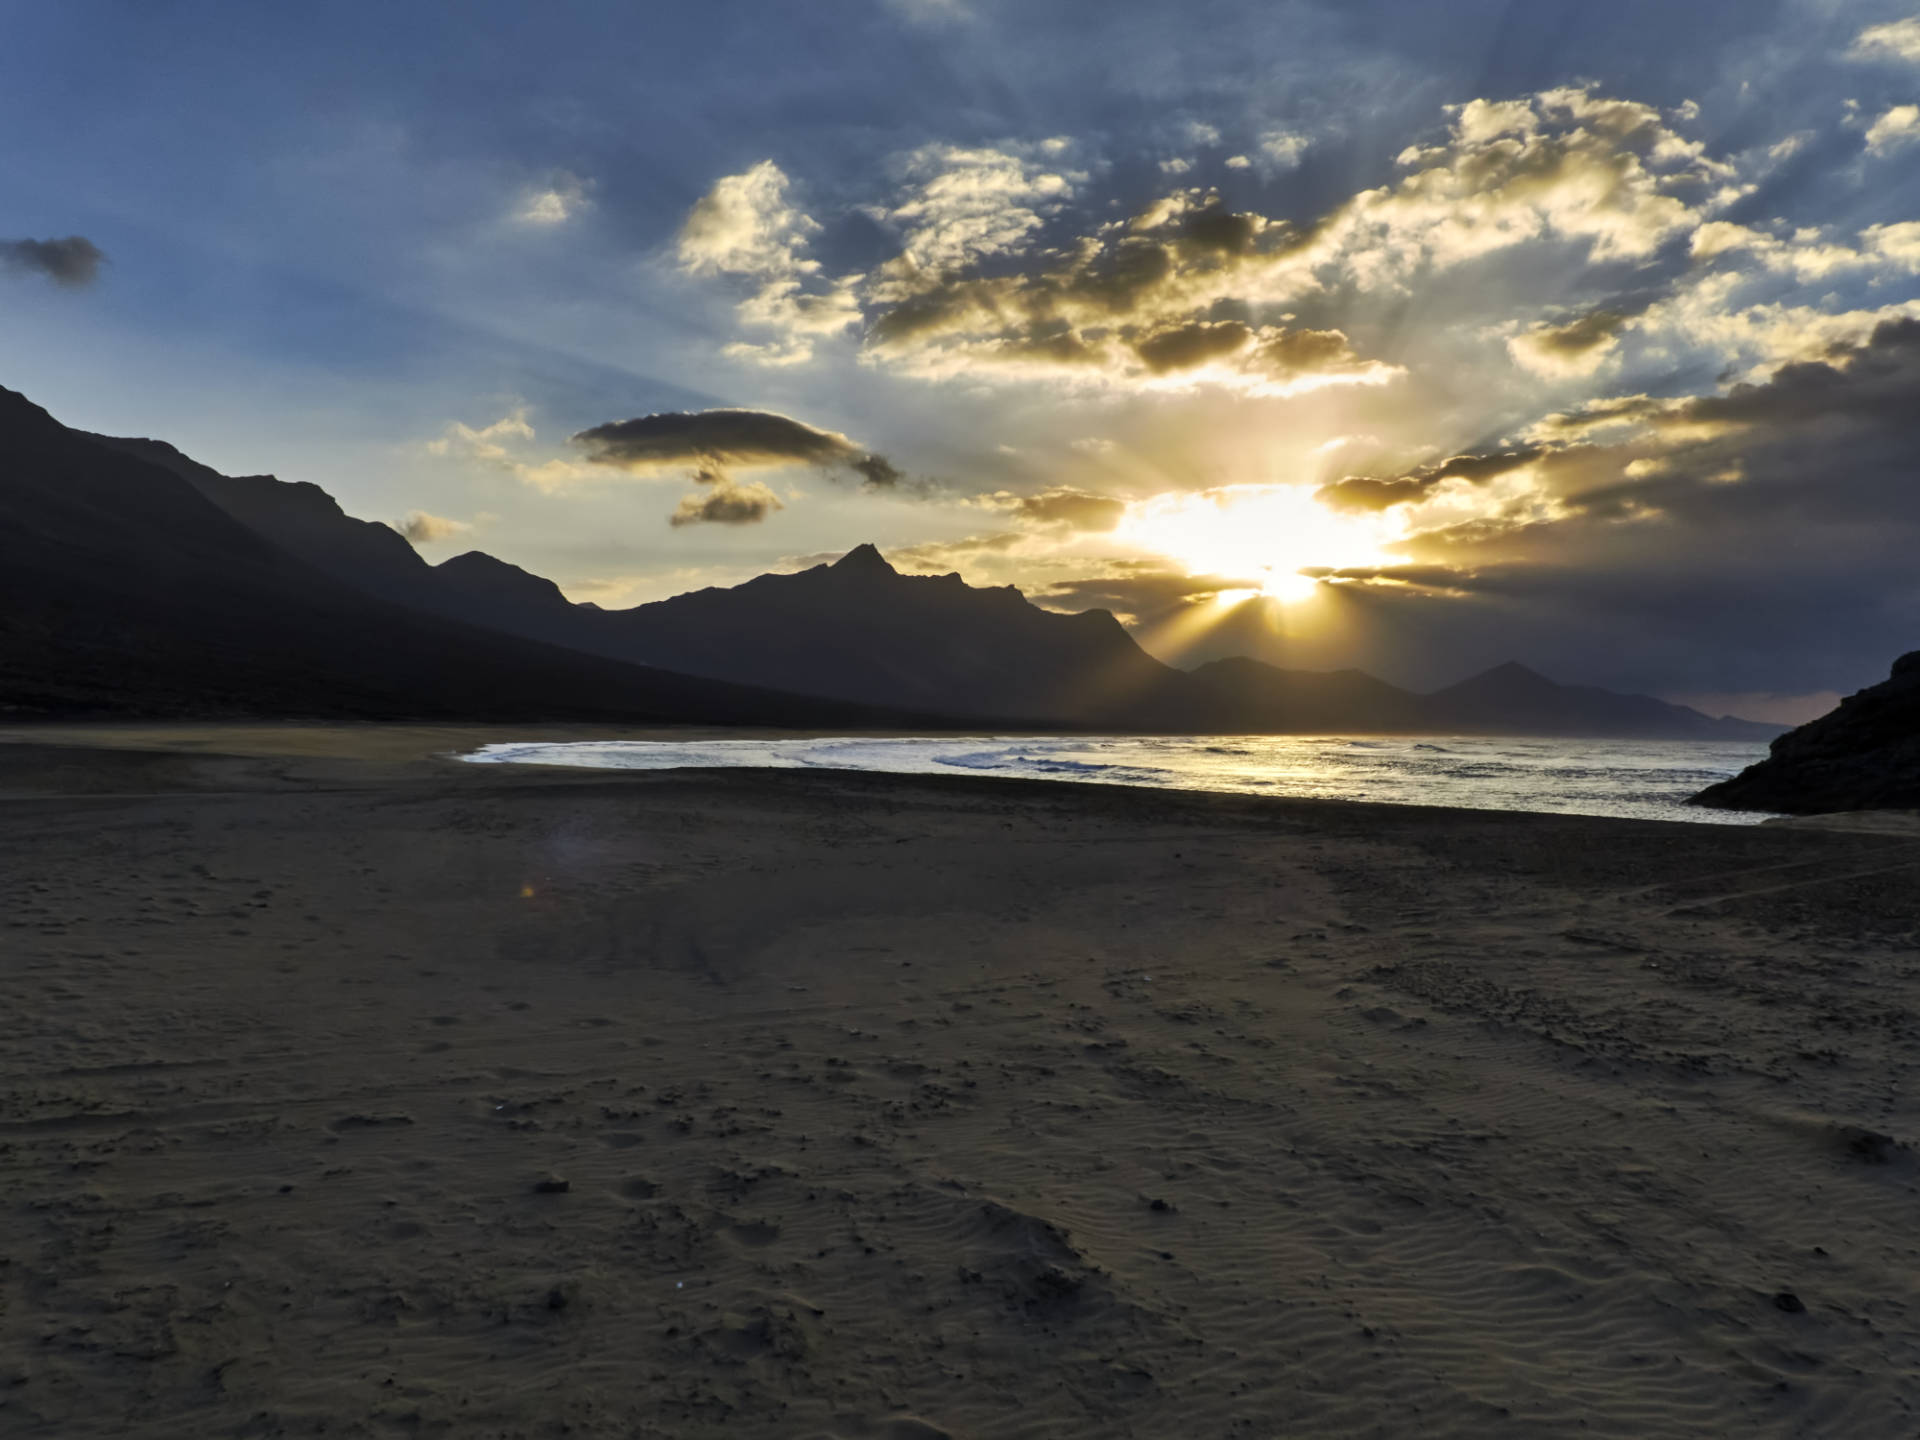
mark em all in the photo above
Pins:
pixel 1261 536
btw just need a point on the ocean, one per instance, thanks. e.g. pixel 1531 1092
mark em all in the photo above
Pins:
pixel 1631 779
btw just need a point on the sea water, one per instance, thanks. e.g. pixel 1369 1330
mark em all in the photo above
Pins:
pixel 1632 779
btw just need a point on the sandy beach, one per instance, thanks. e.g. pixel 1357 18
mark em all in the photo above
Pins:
pixel 351 1091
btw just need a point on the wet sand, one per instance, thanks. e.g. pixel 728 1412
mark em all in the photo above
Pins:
pixel 350 1091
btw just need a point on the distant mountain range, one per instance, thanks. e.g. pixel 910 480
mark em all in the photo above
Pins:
pixel 137 581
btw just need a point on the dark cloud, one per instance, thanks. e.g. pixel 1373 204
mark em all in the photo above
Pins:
pixel 1763 539
pixel 1877 382
pixel 1181 347
pixel 714 438
pixel 1304 352
pixel 1214 227
pixel 726 502
pixel 877 471
pixel 1578 347
pixel 712 443
pixel 1580 336
pixel 74 261
pixel 1367 492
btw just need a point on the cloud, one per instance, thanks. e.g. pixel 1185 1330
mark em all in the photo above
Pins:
pixel 1365 492
pixel 1007 271
pixel 711 444
pixel 1804 254
pixel 945 556
pixel 1709 494
pixel 560 200
pixel 1899 127
pixel 1898 243
pixel 1282 149
pixel 1895 40
pixel 424 529
pixel 744 227
pixel 495 446
pixel 964 204
pixel 1579 347
pixel 484 444
pixel 74 261
pixel 877 471
pixel 712 438
pixel 1135 589
pixel 725 502
pixel 1062 508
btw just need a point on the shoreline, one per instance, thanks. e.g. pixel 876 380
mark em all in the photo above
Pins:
pixel 416 747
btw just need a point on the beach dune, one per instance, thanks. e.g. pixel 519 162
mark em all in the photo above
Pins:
pixel 348 1090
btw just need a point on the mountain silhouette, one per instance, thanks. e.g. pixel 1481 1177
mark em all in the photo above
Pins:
pixel 166 584
pixel 1864 755
pixel 126 590
pixel 1510 699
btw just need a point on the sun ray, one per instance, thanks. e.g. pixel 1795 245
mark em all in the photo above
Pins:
pixel 1259 536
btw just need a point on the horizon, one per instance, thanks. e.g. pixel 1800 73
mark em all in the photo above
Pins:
pixel 1350 336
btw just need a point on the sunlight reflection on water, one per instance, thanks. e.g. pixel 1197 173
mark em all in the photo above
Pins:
pixel 1631 779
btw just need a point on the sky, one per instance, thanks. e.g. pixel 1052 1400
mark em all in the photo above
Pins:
pixel 1414 335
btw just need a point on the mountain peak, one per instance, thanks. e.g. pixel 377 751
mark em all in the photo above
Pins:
pixel 864 560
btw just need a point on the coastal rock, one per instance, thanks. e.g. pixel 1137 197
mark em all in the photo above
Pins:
pixel 1865 755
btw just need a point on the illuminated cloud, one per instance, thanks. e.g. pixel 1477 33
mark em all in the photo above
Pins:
pixel 1896 129
pixel 424 529
pixel 1367 492
pixel 497 446
pixel 1895 40
pixel 962 205
pixel 1740 454
pixel 486 444
pixel 1899 243
pixel 1283 149
pixel 745 228
pixel 1566 166
pixel 555 203
pixel 1576 348
pixel 1005 272
pixel 1061 507
pixel 1705 313
pixel 74 261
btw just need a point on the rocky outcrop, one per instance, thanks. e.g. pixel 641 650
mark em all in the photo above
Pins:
pixel 1863 756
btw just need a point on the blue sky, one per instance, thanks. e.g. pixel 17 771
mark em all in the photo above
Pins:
pixel 407 251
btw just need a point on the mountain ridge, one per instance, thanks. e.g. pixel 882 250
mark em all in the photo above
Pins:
pixel 856 631
pixel 126 591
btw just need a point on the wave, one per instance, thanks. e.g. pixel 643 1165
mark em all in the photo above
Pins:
pixel 1628 779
